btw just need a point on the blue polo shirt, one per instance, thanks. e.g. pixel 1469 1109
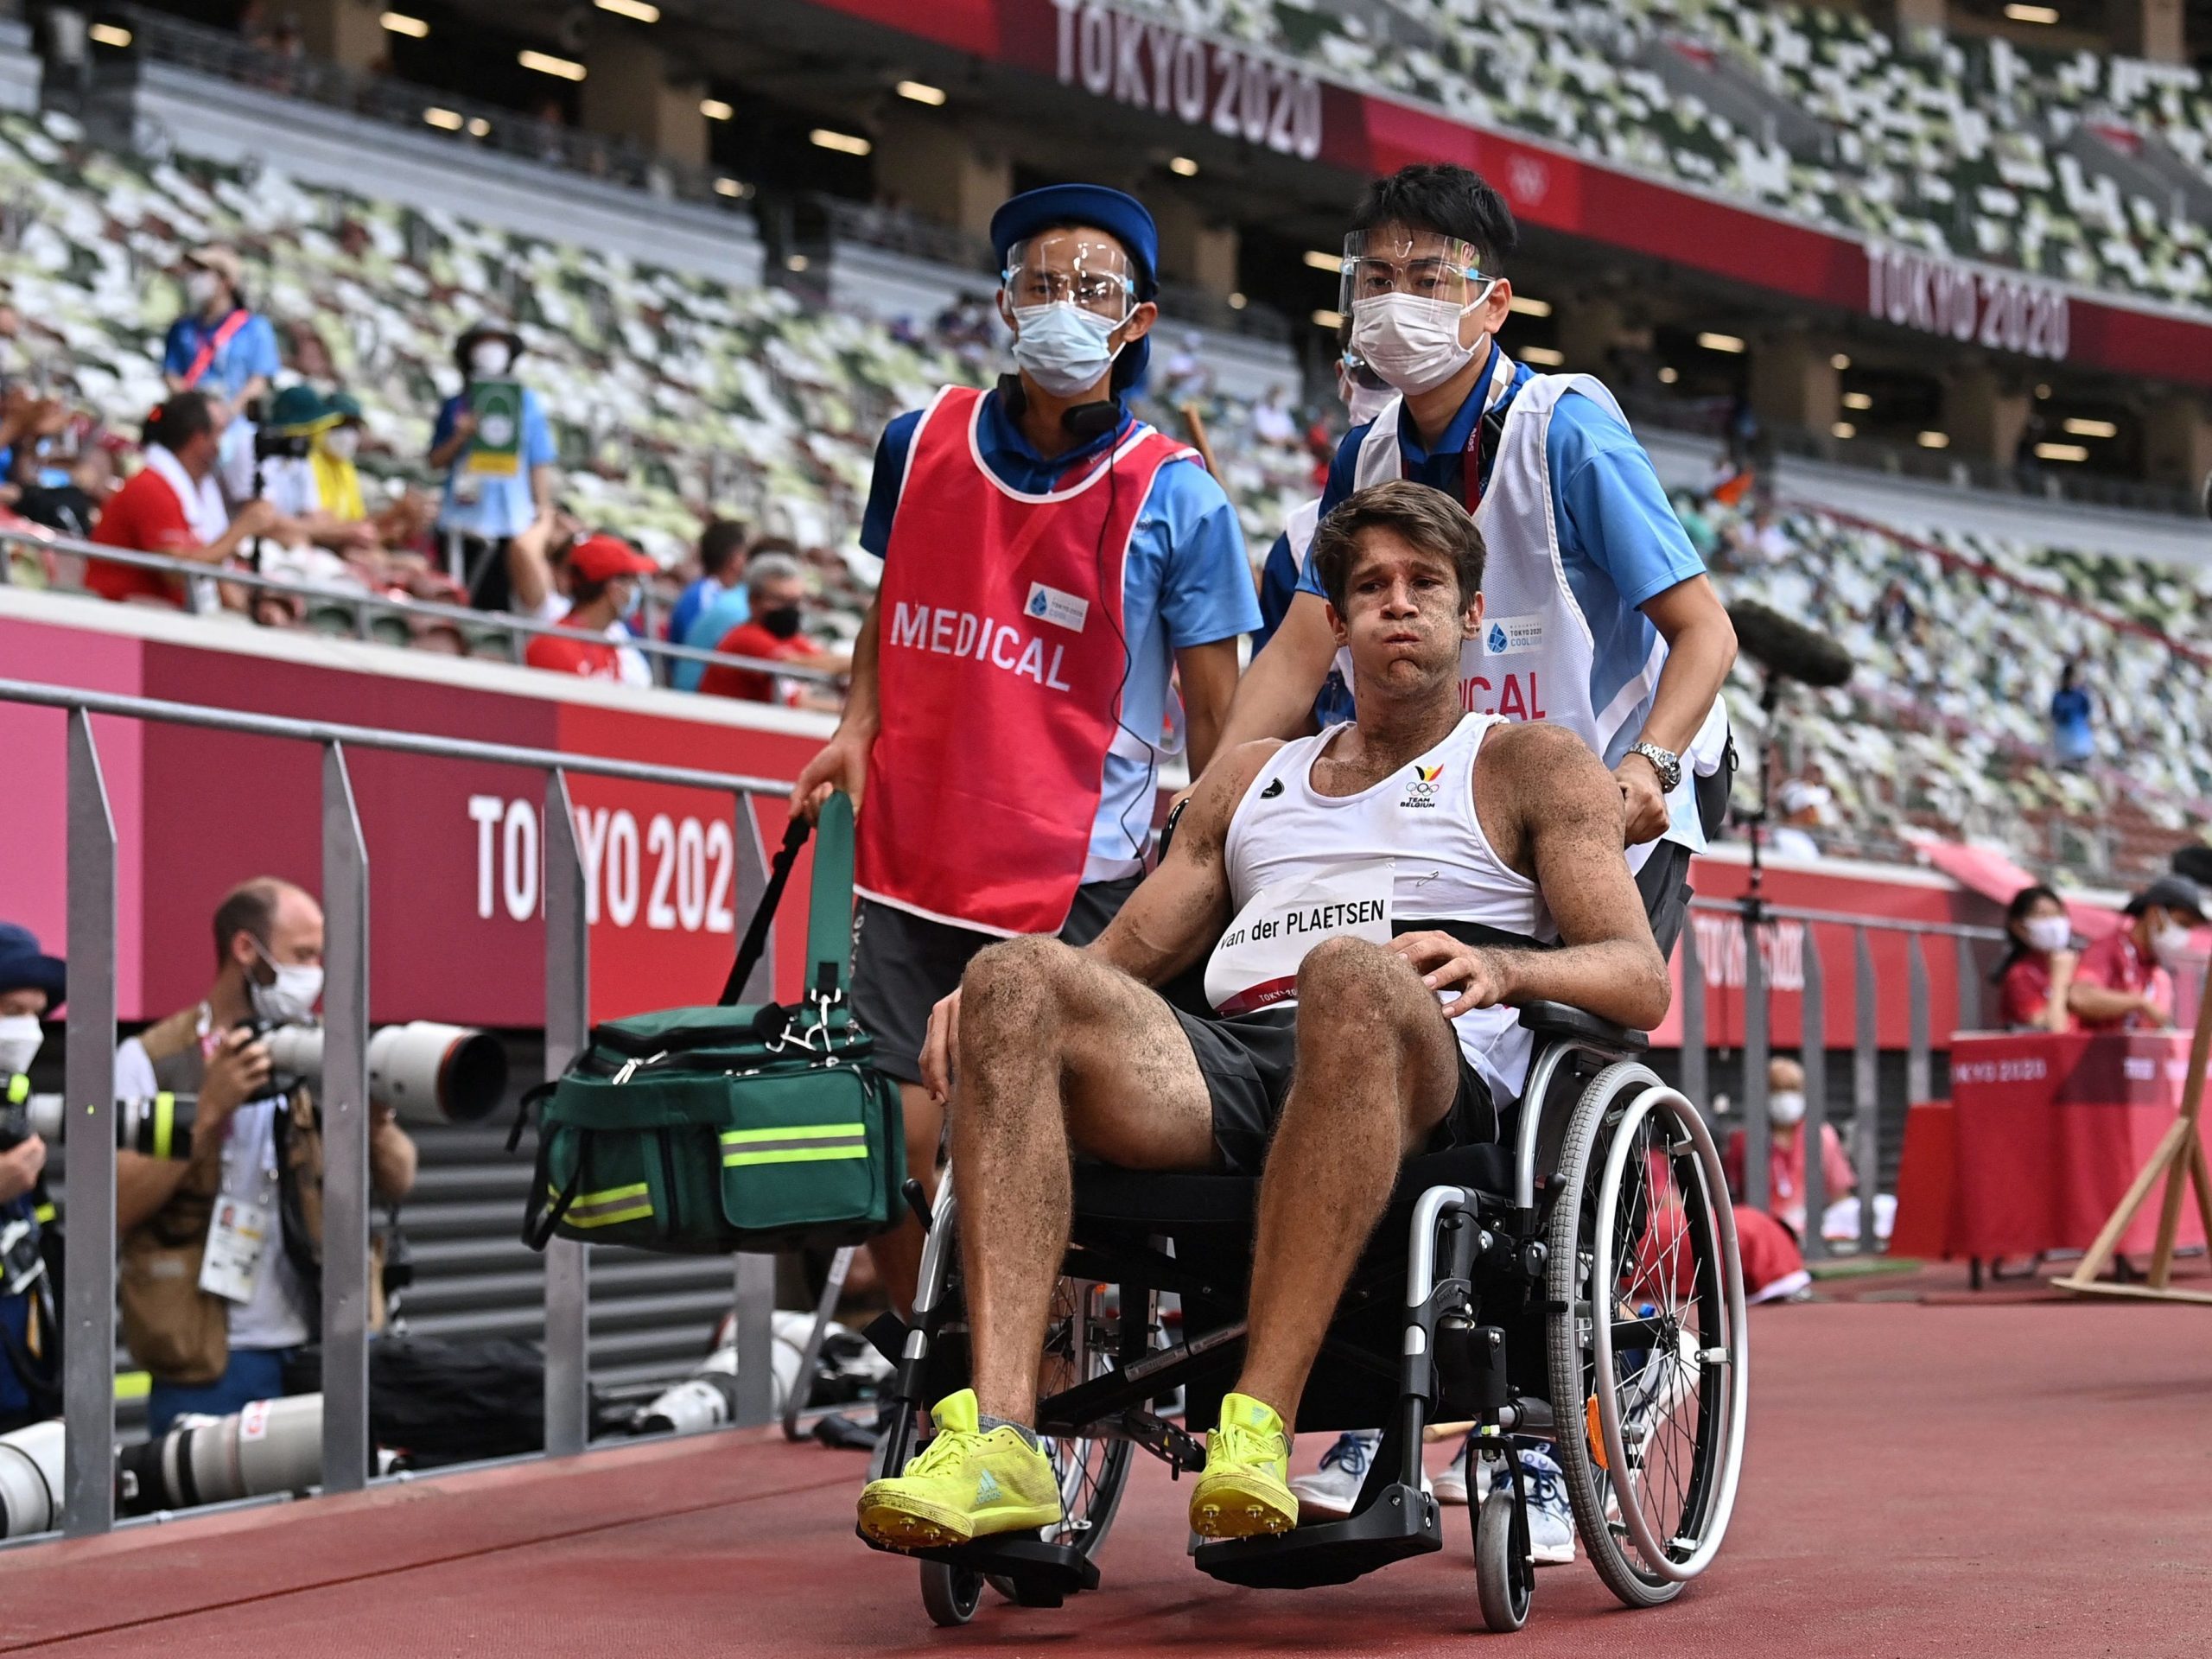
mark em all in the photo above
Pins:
pixel 1186 581
pixel 1618 537
pixel 493 506
pixel 249 352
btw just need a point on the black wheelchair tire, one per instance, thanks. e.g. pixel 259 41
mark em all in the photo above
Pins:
pixel 950 1593
pixel 1581 1157
pixel 1503 1585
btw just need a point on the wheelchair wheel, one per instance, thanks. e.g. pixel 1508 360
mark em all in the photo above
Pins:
pixel 1504 1580
pixel 1079 1344
pixel 1647 1363
pixel 950 1593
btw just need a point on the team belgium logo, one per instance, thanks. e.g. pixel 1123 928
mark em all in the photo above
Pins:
pixel 1421 792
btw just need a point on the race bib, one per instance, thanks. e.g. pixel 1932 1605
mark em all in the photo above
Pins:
pixel 238 1239
pixel 1256 964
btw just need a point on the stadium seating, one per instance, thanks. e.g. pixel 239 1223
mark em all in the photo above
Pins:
pixel 1946 728
pixel 1972 150
pixel 671 393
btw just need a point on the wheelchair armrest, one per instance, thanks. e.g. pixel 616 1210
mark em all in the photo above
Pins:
pixel 1558 1020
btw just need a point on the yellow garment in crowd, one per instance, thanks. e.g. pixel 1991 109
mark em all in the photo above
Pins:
pixel 338 482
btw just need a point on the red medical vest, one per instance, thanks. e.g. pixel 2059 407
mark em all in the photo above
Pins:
pixel 1001 660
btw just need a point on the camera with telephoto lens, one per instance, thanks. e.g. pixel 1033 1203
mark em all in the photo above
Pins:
pixel 426 1072
pixel 24 1114
pixel 274 445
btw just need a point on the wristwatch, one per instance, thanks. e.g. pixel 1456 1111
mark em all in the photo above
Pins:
pixel 1665 762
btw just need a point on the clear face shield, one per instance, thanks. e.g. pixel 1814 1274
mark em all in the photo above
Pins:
pixel 1391 259
pixel 1407 293
pixel 1067 294
pixel 1083 268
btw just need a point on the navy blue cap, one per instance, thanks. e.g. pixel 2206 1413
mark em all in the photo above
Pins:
pixel 22 965
pixel 1121 215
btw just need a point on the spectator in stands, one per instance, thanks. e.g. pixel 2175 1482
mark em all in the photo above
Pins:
pixel 499 470
pixel 1697 525
pixel 219 345
pixel 74 506
pixel 1896 618
pixel 32 986
pixel 2073 744
pixel 2124 982
pixel 778 588
pixel 1785 1151
pixel 1802 804
pixel 1272 422
pixel 28 424
pixel 606 581
pixel 722 570
pixel 299 417
pixel 172 505
pixel 727 610
pixel 1188 380
pixel 2037 975
pixel 221 1254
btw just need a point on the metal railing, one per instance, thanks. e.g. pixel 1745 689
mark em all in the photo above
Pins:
pixel 89 1193
pixel 1756 918
pixel 363 607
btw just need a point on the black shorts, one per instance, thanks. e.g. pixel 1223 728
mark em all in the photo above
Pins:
pixel 904 965
pixel 1246 1060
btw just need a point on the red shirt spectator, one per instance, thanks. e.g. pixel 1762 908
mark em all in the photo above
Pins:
pixel 145 515
pixel 2024 995
pixel 2118 964
pixel 594 658
pixel 750 685
pixel 1785 1171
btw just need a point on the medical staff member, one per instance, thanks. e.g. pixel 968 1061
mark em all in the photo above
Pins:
pixel 1048 559
pixel 1600 617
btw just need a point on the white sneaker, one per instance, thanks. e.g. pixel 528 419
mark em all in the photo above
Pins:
pixel 1334 1487
pixel 1451 1486
pixel 1551 1517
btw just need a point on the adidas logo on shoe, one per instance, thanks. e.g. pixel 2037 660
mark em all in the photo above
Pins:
pixel 986 1489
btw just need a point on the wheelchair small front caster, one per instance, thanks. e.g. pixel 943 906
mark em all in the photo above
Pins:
pixel 1504 1576
pixel 950 1593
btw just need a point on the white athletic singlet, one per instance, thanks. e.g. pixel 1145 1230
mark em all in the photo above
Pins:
pixel 1304 867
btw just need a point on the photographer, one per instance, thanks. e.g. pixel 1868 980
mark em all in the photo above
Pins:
pixel 31 987
pixel 221 1258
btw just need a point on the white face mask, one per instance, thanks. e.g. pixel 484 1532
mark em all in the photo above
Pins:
pixel 201 287
pixel 341 443
pixel 20 1034
pixel 1785 1108
pixel 1410 340
pixel 2049 933
pixel 2170 943
pixel 1064 348
pixel 490 358
pixel 290 1000
pixel 1363 402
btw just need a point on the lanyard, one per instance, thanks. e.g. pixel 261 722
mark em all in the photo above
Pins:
pixel 224 331
pixel 1481 453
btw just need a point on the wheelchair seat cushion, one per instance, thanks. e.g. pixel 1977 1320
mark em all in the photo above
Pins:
pixel 1246 1060
pixel 1105 1194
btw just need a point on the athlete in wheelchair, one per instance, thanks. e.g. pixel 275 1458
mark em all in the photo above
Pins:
pixel 1404 1167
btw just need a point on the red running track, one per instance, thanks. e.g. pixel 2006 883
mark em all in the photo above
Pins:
pixel 2018 1479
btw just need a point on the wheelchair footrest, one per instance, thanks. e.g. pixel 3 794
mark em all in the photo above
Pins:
pixel 1040 1575
pixel 1401 1522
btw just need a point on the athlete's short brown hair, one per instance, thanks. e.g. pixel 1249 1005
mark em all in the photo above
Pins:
pixel 1428 518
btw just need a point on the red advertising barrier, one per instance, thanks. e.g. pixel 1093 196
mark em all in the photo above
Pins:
pixel 1889 894
pixel 1158 71
pixel 456 928
pixel 2039 1142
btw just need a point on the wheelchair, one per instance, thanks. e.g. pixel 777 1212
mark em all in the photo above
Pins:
pixel 1575 1283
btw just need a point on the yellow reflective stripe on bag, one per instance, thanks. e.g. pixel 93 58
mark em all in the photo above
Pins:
pixel 604 1208
pixel 809 1144
pixel 164 1124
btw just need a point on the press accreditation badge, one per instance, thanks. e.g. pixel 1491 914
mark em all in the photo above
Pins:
pixel 238 1243
pixel 1256 964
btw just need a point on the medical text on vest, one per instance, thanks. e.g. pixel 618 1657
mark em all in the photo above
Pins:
pixel 963 634
pixel 1517 699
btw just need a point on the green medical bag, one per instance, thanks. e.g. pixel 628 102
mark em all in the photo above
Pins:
pixel 699 1131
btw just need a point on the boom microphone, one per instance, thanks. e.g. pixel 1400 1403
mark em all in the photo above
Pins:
pixel 1788 650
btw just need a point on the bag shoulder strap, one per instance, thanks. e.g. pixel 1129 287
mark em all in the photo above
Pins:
pixel 830 906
